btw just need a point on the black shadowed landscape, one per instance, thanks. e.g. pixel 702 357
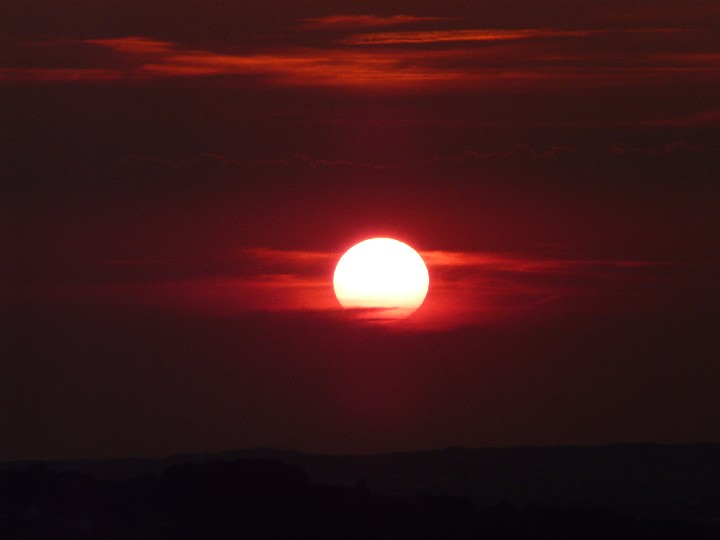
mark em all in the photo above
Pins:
pixel 639 491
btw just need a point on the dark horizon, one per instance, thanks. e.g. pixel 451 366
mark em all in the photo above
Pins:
pixel 180 181
pixel 115 464
pixel 635 489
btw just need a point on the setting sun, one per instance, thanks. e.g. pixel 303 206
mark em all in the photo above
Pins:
pixel 382 273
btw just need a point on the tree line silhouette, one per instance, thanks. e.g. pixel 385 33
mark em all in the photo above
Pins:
pixel 269 499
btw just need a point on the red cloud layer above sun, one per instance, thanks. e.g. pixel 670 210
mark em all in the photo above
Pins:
pixel 441 58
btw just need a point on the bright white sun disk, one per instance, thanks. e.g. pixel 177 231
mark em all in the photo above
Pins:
pixel 382 273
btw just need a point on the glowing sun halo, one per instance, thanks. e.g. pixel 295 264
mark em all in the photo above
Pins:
pixel 383 274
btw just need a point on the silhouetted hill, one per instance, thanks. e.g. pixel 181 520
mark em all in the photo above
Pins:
pixel 127 468
pixel 270 499
pixel 630 481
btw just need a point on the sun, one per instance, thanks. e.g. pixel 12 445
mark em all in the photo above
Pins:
pixel 381 274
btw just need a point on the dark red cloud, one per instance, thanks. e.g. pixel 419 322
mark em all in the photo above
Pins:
pixel 540 58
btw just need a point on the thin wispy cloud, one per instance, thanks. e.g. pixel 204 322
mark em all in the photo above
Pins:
pixel 709 118
pixel 343 22
pixel 445 36
pixel 484 35
pixel 60 75
pixel 481 59
pixel 465 287
pixel 523 264
pixel 134 45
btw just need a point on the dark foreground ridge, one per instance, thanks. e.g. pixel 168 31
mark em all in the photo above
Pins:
pixel 441 494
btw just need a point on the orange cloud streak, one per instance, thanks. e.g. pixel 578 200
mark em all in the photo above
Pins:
pixel 366 66
pixel 481 34
pixel 313 68
pixel 134 45
pixel 389 69
pixel 444 36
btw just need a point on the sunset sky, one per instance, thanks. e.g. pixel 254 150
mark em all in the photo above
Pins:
pixel 179 179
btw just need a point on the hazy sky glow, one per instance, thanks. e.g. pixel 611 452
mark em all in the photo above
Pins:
pixel 180 181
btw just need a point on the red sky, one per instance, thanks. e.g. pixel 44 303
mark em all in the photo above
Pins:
pixel 179 181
